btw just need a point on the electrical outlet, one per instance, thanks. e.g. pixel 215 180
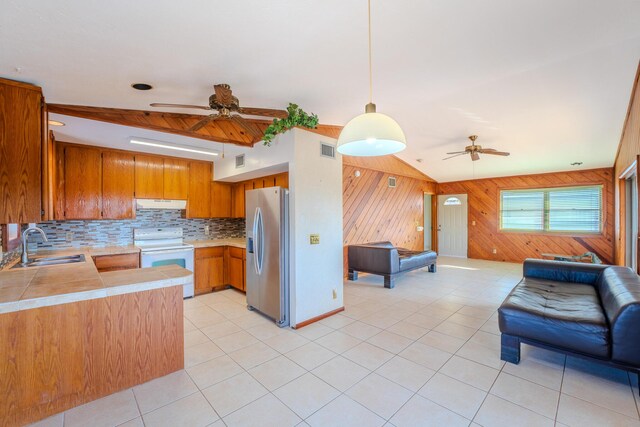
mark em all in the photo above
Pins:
pixel 314 239
pixel 335 294
pixel 69 236
pixel 473 223
pixel 206 230
pixel 495 251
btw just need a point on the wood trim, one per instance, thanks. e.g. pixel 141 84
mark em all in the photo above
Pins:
pixel 21 85
pixel 318 318
pixel 636 82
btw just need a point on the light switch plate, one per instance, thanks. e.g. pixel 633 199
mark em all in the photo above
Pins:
pixel 314 239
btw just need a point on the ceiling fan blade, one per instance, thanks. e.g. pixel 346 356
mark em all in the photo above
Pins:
pixel 494 152
pixel 455 155
pixel 223 94
pixel 475 156
pixel 457 152
pixel 203 122
pixel 199 107
pixel 249 127
pixel 266 112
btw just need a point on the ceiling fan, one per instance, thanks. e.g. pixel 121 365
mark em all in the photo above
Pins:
pixel 475 150
pixel 226 104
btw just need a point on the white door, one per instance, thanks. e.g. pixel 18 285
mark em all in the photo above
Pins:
pixel 452 225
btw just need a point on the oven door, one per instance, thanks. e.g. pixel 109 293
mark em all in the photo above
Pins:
pixel 180 257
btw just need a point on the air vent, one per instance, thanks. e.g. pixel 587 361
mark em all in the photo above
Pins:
pixel 327 150
pixel 240 161
pixel 392 181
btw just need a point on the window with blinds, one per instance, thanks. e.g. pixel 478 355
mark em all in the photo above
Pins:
pixel 554 210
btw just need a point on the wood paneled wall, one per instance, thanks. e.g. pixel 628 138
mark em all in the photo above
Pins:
pixel 484 205
pixel 373 212
pixel 628 152
pixel 55 358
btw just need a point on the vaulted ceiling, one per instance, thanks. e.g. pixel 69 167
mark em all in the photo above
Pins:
pixel 548 81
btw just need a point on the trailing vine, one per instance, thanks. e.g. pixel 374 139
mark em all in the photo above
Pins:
pixel 297 117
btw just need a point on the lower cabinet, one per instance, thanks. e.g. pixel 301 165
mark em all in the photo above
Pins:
pixel 236 261
pixel 209 269
pixel 219 266
pixel 116 262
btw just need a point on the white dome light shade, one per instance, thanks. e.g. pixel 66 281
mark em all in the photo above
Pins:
pixel 371 134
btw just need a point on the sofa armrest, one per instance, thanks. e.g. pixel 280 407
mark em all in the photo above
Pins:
pixel 561 271
pixel 374 259
pixel 619 289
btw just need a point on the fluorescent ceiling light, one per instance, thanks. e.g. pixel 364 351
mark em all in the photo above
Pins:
pixel 55 123
pixel 169 146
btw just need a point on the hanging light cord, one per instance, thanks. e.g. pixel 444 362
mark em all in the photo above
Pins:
pixel 370 68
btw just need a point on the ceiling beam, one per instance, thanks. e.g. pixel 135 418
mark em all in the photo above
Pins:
pixel 223 131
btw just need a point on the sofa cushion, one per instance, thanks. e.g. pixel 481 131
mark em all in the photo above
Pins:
pixel 561 314
pixel 410 260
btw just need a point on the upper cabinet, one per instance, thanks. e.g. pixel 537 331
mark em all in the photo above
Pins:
pixel 220 200
pixel 149 173
pixel 118 172
pixel 199 201
pixel 22 133
pixel 82 186
pixel 239 189
pixel 176 179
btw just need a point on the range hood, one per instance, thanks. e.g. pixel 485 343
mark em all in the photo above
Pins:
pixel 160 204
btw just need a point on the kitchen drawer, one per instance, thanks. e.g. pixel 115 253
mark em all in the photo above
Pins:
pixel 117 262
pixel 214 252
pixel 236 252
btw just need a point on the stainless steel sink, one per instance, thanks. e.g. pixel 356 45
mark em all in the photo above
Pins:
pixel 56 260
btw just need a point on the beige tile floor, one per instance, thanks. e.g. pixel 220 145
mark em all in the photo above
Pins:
pixel 425 353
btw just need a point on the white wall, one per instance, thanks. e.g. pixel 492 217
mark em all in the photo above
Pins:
pixel 315 204
pixel 259 161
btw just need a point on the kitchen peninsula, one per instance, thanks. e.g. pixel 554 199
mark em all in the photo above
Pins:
pixel 69 334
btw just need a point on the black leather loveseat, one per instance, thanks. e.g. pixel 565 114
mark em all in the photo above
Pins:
pixel 588 310
pixel 385 259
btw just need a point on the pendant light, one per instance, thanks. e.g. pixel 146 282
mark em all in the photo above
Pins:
pixel 371 133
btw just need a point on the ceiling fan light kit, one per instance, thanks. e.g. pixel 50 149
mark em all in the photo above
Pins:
pixel 371 133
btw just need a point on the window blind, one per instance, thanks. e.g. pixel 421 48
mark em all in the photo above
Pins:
pixel 564 209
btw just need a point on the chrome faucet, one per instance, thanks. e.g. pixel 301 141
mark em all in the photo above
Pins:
pixel 25 237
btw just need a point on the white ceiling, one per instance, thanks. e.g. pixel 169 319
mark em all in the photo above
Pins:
pixel 547 80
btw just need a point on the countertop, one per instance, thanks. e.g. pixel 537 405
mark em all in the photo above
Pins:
pixel 240 242
pixel 26 288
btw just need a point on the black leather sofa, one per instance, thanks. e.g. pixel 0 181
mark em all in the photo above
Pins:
pixel 587 310
pixel 385 259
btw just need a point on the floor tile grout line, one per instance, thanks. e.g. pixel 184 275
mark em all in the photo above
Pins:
pixel 564 368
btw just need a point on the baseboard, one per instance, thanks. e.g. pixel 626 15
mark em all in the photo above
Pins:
pixel 318 318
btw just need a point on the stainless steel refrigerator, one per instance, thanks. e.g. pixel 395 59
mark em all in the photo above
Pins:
pixel 267 231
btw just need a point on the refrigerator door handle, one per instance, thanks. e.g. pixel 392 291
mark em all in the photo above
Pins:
pixel 258 231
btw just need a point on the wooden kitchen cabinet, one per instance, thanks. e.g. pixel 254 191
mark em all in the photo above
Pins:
pixel 199 201
pixel 22 132
pixel 176 179
pixel 282 180
pixel 82 182
pixel 118 185
pixel 237 203
pixel 220 200
pixel 149 177
pixel 209 269
pixel 116 262
pixel 236 262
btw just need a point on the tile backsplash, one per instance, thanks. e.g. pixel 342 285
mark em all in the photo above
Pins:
pixel 76 233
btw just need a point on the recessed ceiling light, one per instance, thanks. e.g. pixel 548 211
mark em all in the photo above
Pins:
pixel 576 163
pixel 141 86
pixel 171 146
pixel 55 123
